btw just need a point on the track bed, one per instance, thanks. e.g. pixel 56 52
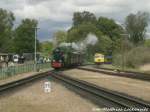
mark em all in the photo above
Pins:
pixel 32 98
pixel 133 87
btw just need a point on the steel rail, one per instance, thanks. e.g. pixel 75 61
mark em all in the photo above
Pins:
pixel 103 96
pixel 133 75
pixel 13 84
pixel 126 71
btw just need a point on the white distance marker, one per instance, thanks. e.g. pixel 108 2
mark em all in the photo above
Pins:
pixel 47 87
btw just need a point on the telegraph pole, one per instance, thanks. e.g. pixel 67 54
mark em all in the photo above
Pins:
pixel 35 47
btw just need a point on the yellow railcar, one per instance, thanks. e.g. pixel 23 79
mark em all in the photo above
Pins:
pixel 99 58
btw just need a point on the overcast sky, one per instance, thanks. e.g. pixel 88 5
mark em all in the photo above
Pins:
pixel 56 15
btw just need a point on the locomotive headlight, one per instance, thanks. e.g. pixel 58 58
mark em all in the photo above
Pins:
pixel 53 60
pixel 60 61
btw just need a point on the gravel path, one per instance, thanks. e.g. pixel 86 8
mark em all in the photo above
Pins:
pixel 137 88
pixel 33 99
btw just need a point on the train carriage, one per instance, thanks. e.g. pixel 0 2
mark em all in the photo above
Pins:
pixel 66 57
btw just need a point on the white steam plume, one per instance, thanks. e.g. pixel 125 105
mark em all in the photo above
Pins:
pixel 91 39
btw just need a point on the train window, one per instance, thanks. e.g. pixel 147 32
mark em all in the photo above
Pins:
pixel 99 56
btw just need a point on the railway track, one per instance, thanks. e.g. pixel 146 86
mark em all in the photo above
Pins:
pixel 133 75
pixel 124 71
pixel 14 84
pixel 102 96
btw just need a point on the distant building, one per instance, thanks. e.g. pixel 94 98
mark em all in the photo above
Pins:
pixel 30 56
pixel 3 57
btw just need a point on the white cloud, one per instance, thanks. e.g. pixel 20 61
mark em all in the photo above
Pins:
pixel 52 10
pixel 61 11
pixel 29 11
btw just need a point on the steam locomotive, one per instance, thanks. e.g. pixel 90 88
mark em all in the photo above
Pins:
pixel 64 57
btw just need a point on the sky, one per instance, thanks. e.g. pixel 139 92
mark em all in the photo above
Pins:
pixel 54 15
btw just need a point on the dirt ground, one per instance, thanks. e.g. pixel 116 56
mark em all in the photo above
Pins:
pixel 145 67
pixel 137 88
pixel 34 99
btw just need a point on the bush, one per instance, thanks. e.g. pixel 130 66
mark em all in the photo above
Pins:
pixel 134 58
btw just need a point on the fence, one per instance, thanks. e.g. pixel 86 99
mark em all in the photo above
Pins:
pixel 14 70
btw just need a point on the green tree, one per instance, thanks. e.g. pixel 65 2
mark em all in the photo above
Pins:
pixel 25 36
pixel 46 47
pixel 6 24
pixel 147 43
pixel 82 27
pixel 109 28
pixel 136 26
pixel 59 37
pixel 83 17
pixel 104 45
pixel 79 33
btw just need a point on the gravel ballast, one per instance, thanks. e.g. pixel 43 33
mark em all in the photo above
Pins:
pixel 33 99
pixel 133 87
